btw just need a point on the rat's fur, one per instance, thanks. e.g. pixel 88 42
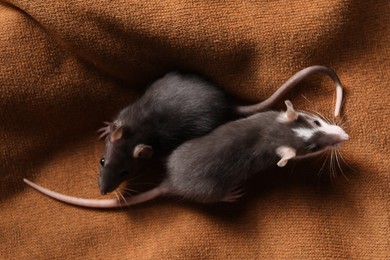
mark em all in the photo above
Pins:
pixel 177 108
pixel 212 167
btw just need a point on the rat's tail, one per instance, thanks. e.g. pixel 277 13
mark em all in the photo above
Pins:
pixel 289 84
pixel 105 203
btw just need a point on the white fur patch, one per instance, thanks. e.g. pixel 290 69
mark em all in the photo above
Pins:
pixel 335 130
pixel 305 133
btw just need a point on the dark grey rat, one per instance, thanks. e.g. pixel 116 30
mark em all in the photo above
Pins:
pixel 176 108
pixel 213 167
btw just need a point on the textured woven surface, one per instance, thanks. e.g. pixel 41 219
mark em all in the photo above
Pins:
pixel 66 66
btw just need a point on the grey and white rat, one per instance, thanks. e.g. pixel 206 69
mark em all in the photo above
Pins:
pixel 174 109
pixel 211 168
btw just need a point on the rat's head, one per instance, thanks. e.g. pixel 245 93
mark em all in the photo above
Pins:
pixel 122 154
pixel 312 135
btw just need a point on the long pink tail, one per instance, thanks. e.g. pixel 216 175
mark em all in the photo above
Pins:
pixel 289 84
pixel 105 203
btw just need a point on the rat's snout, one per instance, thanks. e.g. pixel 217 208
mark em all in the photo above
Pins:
pixel 336 134
pixel 339 138
pixel 105 184
pixel 110 179
pixel 102 186
pixel 341 134
pixel 344 137
pixel 105 188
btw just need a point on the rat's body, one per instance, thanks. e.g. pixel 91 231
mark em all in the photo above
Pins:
pixel 174 109
pixel 224 159
pixel 211 168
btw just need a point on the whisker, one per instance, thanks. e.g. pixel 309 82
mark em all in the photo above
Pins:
pixel 323 165
pixel 321 170
pixel 318 114
pixel 340 119
pixel 344 125
pixel 118 199
pixel 338 163
pixel 133 178
pixel 127 193
pixel 329 120
pixel 124 199
pixel 332 173
pixel 315 110
pixel 116 195
pixel 147 183
pixel 333 120
pixel 304 97
pixel 344 161
pixel 334 164
pixel 343 121
pixel 128 190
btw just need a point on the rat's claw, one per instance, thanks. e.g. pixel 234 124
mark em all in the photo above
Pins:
pixel 234 194
pixel 105 130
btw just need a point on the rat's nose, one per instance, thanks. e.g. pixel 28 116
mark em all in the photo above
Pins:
pixel 339 138
pixel 106 186
pixel 103 187
pixel 345 137
pixel 339 135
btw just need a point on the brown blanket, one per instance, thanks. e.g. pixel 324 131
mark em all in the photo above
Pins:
pixel 66 66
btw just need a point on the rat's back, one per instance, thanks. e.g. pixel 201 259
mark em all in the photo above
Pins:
pixel 178 107
pixel 206 168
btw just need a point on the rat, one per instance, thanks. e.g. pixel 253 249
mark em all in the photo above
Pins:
pixel 174 109
pixel 214 167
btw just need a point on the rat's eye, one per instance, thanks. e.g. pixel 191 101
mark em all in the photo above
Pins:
pixel 314 148
pixel 317 123
pixel 102 162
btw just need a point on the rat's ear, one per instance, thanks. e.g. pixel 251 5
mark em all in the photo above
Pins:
pixel 142 151
pixel 291 114
pixel 117 134
pixel 286 153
